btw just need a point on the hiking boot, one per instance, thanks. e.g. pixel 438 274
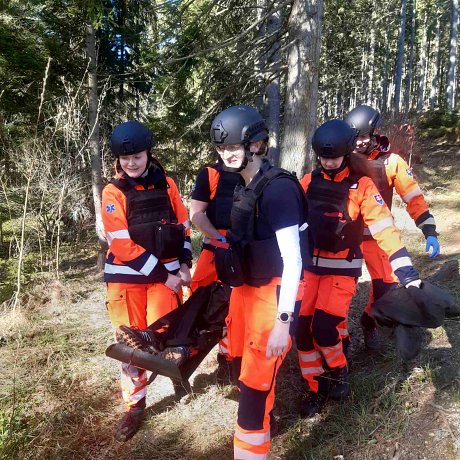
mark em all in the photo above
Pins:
pixel 312 404
pixel 224 370
pixel 371 339
pixel 339 386
pixel 130 422
pixel 274 427
pixel 141 339
pixel 346 344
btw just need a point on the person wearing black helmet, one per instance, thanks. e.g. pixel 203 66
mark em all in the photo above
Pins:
pixel 210 206
pixel 373 157
pixel 263 264
pixel 149 255
pixel 339 205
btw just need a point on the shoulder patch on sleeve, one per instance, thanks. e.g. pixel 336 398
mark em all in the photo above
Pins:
pixel 110 208
pixel 378 198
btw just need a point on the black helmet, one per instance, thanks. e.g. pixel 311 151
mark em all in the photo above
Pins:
pixel 364 119
pixel 334 139
pixel 131 137
pixel 240 124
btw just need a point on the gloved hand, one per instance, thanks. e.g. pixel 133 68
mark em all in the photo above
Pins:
pixel 432 243
pixel 415 283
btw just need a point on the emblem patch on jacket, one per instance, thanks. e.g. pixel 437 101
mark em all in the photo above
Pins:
pixel 110 207
pixel 378 198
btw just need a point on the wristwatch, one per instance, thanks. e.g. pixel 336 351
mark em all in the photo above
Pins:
pixel 284 317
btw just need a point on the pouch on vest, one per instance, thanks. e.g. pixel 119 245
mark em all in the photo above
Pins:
pixel 333 232
pixel 164 240
pixel 168 240
pixel 228 266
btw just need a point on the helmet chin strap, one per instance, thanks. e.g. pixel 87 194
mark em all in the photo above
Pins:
pixel 247 159
pixel 333 172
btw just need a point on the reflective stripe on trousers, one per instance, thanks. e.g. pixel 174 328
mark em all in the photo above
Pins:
pixel 133 384
pixel 311 366
pixel 249 445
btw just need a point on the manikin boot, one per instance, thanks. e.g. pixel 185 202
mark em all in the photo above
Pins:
pixel 140 339
pixel 130 422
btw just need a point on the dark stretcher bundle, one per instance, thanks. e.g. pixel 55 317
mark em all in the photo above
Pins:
pixel 175 344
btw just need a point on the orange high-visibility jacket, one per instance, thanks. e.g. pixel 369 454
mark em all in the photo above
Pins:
pixel 126 261
pixel 365 200
pixel 400 177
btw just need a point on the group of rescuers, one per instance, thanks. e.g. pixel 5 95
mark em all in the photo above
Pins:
pixel 243 201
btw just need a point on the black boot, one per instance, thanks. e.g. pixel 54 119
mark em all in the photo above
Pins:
pixel 339 386
pixel 346 343
pixel 370 333
pixel 130 422
pixel 224 370
pixel 314 402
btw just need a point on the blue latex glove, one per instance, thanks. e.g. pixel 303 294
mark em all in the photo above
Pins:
pixel 433 244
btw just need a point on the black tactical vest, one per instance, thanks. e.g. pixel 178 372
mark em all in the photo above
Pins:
pixel 152 223
pixel 219 208
pixel 330 225
pixel 252 260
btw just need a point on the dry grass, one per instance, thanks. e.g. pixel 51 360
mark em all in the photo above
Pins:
pixel 59 395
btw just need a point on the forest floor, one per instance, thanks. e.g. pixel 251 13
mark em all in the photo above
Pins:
pixel 60 398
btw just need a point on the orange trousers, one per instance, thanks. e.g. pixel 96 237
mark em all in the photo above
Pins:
pixel 205 273
pixel 137 305
pixel 252 315
pixel 383 278
pixel 321 325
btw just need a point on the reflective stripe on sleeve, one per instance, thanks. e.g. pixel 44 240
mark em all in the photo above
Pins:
pixel 149 265
pixel 429 221
pixel 408 196
pixel 171 266
pixel 118 234
pixel 120 270
pixel 381 225
pixel 186 224
pixel 400 262
pixel 188 245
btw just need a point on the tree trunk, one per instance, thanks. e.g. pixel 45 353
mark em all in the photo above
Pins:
pixel 422 66
pixel 96 175
pixel 399 58
pixel 302 85
pixel 371 63
pixel 383 107
pixel 259 65
pixel 411 59
pixel 452 67
pixel 273 95
pixel 434 96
